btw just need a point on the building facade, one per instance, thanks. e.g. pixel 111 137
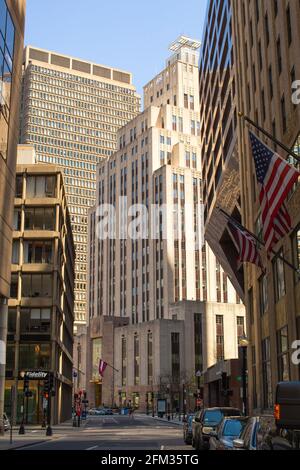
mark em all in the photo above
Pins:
pixel 12 17
pixel 267 43
pixel 71 111
pixel 218 133
pixel 153 253
pixel 41 304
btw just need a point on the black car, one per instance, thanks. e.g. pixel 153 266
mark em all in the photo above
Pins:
pixel 228 430
pixel 188 428
pixel 206 421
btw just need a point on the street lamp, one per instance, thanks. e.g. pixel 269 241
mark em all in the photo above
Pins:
pixel 183 400
pixel 244 343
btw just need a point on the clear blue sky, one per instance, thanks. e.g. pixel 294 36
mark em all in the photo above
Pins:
pixel 129 34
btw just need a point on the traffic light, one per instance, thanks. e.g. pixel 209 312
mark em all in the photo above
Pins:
pixel 26 384
pixel 46 385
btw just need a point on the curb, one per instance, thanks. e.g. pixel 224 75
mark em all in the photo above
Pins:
pixel 25 445
pixel 176 423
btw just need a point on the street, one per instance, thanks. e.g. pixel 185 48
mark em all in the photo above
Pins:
pixel 118 433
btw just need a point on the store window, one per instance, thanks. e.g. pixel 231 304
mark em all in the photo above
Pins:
pixel 34 356
pixel 283 354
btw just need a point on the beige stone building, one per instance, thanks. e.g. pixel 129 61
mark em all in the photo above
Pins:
pixel 267 44
pixel 138 279
pixel 41 304
pixel 71 111
pixel 12 17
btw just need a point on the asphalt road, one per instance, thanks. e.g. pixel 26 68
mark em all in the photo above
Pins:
pixel 119 433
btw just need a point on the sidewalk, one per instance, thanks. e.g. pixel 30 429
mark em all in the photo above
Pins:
pixel 172 421
pixel 34 434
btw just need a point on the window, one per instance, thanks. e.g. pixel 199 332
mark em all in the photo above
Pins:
pixel 187 159
pixel 174 123
pixel 38 251
pixel 17 219
pixel 263 294
pixel 283 354
pixel 250 305
pixel 192 102
pixel 266 374
pixel 39 218
pixel 289 24
pixel 19 186
pixel 7 36
pixel 15 252
pixel 136 348
pixel 296 251
pixel 35 320
pixel 12 320
pixel 267 29
pixel 220 337
pixel 283 114
pixel 175 354
pixel 37 285
pixel 124 361
pixel 279 279
pixel 150 357
pixel 198 341
pixel 271 82
pixel 35 356
pixel 279 58
pixel 14 286
pixel 240 323
pixel 185 100
pixel 40 186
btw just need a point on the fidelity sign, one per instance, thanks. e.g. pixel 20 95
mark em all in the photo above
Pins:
pixel 36 375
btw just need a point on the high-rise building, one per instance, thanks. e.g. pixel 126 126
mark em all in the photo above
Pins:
pixel 154 176
pixel 71 111
pixel 268 64
pixel 218 133
pixel 41 304
pixel 12 17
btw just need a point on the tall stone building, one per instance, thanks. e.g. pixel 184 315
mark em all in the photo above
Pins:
pixel 41 304
pixel 12 17
pixel 218 132
pixel 135 282
pixel 267 39
pixel 71 111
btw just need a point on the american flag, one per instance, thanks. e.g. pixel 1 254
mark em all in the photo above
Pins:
pixel 276 178
pixel 102 367
pixel 247 247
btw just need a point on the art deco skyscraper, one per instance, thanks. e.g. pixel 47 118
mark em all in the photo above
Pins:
pixel 71 111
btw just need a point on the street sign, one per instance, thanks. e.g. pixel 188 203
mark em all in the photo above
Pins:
pixel 198 373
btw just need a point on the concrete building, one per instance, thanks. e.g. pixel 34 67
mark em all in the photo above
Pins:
pixel 41 304
pixel 157 166
pixel 268 63
pixel 12 16
pixel 218 132
pixel 71 111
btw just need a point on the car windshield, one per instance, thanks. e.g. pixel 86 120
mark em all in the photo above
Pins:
pixel 212 417
pixel 233 428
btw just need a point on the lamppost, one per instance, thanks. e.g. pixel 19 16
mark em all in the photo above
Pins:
pixel 152 400
pixel 244 343
pixel 198 375
pixel 168 401
pixel 183 400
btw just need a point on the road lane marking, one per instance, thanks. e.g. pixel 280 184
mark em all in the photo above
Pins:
pixel 92 448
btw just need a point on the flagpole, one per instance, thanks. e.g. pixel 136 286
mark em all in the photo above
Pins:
pixel 270 136
pixel 112 367
pixel 234 222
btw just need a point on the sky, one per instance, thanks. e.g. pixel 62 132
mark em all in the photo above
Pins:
pixel 132 35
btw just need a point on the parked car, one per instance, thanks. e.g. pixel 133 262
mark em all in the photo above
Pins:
pixel 188 428
pixel 6 422
pixel 229 429
pixel 206 421
pixel 261 433
pixel 108 411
